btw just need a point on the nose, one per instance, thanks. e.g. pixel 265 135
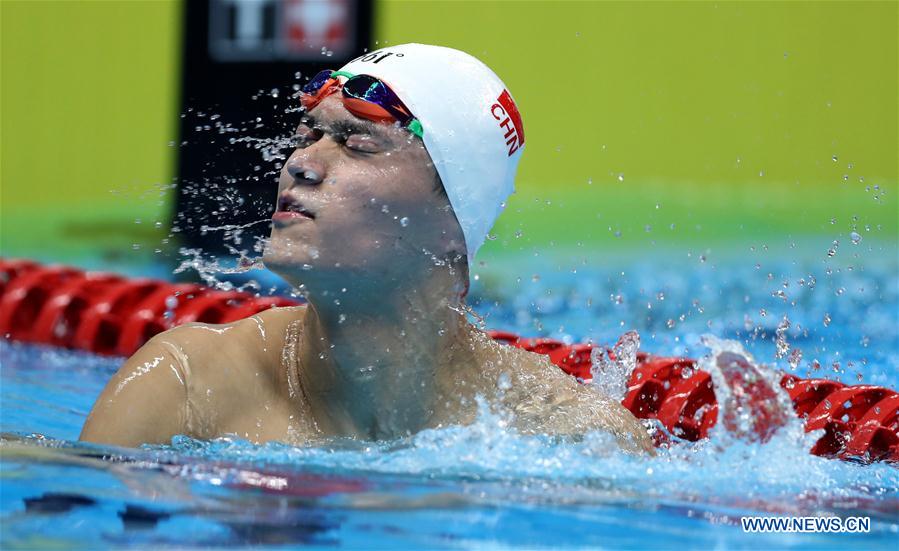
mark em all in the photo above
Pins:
pixel 305 170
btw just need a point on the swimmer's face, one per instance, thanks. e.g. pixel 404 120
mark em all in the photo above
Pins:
pixel 358 197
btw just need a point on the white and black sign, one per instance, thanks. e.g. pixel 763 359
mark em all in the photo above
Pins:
pixel 287 30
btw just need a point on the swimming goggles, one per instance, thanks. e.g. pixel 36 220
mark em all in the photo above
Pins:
pixel 363 95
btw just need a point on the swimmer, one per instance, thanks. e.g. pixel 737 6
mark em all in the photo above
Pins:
pixel 404 158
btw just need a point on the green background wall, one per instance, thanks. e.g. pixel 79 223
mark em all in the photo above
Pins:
pixel 720 118
pixel 89 105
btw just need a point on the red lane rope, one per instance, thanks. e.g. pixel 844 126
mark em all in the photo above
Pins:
pixel 111 315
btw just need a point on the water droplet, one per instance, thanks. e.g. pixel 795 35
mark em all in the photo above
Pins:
pixel 620 176
pixel 826 319
pixel 780 341
pixel 855 237
pixel 367 370
pixel 404 221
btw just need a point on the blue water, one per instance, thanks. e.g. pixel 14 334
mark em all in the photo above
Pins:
pixel 482 485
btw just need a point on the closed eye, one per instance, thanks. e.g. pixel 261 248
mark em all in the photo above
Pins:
pixel 350 134
pixel 363 143
pixel 305 136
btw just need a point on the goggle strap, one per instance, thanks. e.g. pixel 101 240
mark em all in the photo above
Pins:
pixel 336 74
pixel 414 126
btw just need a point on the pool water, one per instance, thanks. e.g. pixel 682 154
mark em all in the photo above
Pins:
pixel 484 485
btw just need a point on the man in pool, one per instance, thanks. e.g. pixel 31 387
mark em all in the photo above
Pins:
pixel 403 161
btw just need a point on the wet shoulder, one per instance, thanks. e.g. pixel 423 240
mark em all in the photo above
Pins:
pixel 547 400
pixel 217 349
pixel 498 371
pixel 501 361
pixel 274 324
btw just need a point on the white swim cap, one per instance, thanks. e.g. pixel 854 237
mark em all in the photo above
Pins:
pixel 472 128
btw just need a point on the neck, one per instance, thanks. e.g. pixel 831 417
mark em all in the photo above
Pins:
pixel 372 359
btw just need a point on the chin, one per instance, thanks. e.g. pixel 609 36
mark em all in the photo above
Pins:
pixel 287 257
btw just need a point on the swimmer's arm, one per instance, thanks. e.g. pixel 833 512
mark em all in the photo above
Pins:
pixel 145 402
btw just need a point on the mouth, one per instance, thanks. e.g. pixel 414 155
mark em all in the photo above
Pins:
pixel 289 208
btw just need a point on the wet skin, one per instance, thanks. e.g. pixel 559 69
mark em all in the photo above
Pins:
pixel 382 350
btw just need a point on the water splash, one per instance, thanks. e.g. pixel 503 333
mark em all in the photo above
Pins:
pixel 612 368
pixel 751 404
pixel 778 475
pixel 271 149
pixel 210 268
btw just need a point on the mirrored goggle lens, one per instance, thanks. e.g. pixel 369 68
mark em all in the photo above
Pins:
pixel 313 86
pixel 372 90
